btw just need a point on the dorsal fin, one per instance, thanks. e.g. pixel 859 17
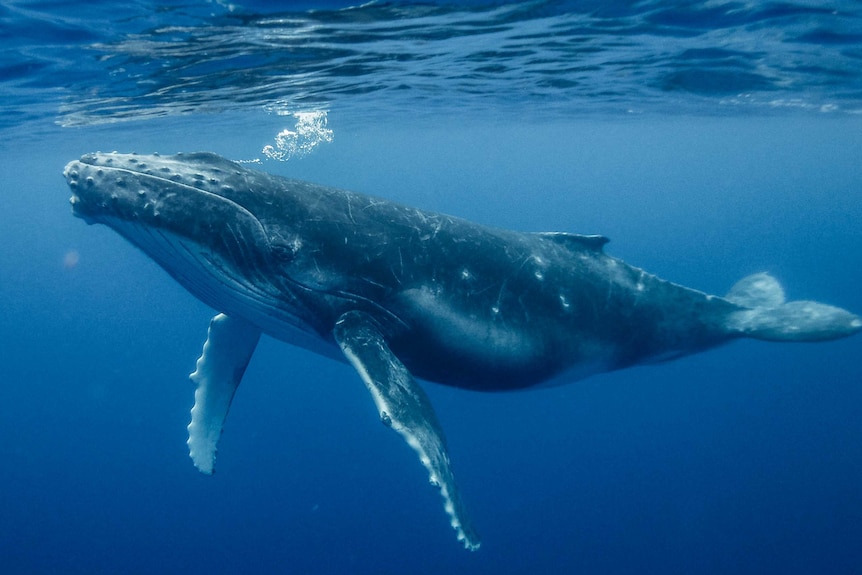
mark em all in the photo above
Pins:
pixel 575 241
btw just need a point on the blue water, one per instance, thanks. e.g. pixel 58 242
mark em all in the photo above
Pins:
pixel 707 140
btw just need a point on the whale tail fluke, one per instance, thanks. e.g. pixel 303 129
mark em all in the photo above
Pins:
pixel 766 315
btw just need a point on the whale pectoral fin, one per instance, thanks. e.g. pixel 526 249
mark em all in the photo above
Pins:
pixel 404 407
pixel 226 353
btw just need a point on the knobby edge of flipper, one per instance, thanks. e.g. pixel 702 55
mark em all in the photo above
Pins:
pixel 766 315
pixel 403 406
pixel 228 348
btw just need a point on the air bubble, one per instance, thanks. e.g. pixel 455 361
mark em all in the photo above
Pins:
pixel 309 132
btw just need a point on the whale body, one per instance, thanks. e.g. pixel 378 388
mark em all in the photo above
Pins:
pixel 401 293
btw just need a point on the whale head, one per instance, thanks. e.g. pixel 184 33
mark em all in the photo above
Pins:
pixel 199 217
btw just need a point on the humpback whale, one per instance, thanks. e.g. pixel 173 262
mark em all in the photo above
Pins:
pixel 403 294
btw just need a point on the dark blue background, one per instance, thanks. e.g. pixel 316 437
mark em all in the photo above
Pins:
pixel 746 459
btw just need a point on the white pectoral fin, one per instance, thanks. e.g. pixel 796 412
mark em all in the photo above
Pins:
pixel 404 407
pixel 226 353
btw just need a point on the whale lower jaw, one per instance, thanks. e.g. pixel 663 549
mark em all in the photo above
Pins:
pixel 210 281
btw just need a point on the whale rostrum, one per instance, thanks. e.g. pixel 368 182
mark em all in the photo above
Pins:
pixel 403 294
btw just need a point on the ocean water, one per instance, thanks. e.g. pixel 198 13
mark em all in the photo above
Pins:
pixel 709 140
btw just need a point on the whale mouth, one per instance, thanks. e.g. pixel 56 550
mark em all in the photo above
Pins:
pixel 78 179
pixel 175 210
pixel 133 187
pixel 180 196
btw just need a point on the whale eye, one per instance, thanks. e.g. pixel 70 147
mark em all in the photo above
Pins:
pixel 283 250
